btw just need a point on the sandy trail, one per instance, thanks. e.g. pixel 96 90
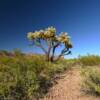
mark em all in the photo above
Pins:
pixel 68 88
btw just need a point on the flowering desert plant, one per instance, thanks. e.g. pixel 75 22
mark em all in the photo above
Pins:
pixel 52 40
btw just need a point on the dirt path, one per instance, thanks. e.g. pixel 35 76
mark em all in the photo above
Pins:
pixel 68 88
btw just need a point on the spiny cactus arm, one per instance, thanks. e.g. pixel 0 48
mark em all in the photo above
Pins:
pixel 65 51
pixel 39 44
pixel 53 50
pixel 49 46
pixel 69 52
pixel 48 50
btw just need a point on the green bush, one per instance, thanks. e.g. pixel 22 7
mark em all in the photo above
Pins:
pixel 89 60
pixel 23 77
pixel 91 82
pixel 16 79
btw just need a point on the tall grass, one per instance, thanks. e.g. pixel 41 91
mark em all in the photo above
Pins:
pixel 23 77
pixel 89 60
pixel 27 76
pixel 91 80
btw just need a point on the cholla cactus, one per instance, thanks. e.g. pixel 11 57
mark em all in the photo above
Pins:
pixel 42 34
pixel 30 36
pixel 49 35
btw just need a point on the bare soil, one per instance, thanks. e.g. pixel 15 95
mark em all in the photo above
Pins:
pixel 68 88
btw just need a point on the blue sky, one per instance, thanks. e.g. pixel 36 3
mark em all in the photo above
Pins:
pixel 80 18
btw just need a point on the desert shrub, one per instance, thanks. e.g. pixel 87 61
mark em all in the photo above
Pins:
pixel 4 52
pixel 53 41
pixel 91 80
pixel 89 60
pixel 22 77
pixel 17 52
pixel 17 80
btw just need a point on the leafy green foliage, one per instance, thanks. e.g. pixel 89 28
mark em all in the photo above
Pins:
pixel 89 60
pixel 91 82
pixel 23 77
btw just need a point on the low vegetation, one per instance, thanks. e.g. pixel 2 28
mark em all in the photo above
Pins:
pixel 91 75
pixel 91 80
pixel 26 76
pixel 89 60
